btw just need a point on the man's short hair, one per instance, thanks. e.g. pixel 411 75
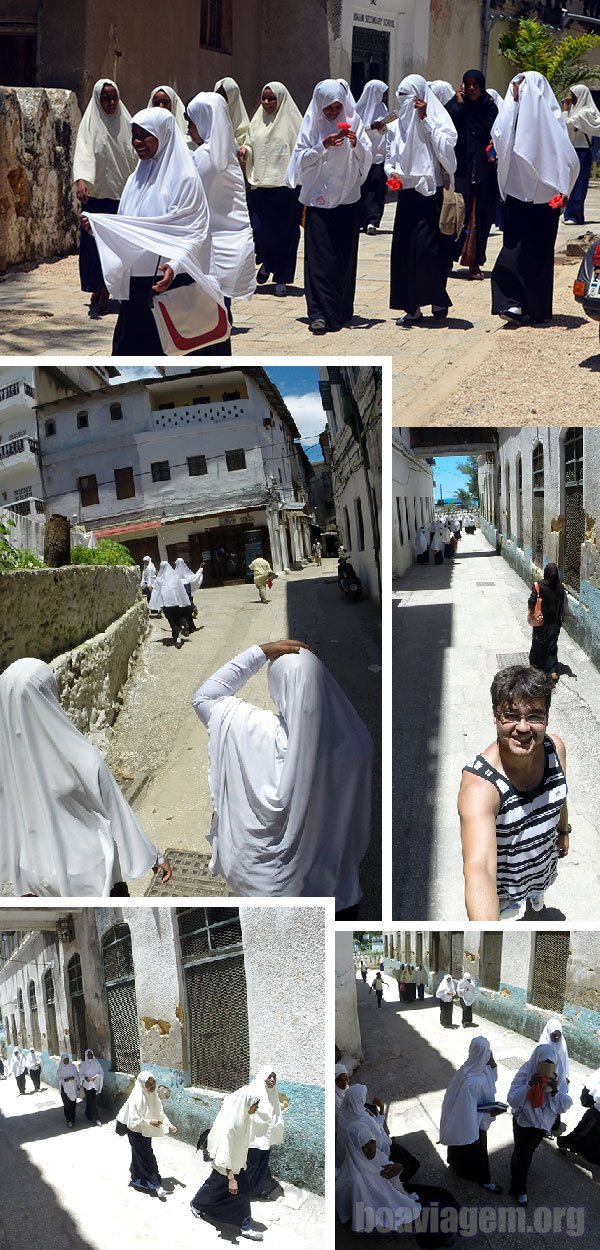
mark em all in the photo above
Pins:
pixel 520 683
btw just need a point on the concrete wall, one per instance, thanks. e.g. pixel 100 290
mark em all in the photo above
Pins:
pixel 412 485
pixel 454 39
pixel 38 127
pixel 347 1027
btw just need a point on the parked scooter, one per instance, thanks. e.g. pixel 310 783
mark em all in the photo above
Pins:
pixel 349 580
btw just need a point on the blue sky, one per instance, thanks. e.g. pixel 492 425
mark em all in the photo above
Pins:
pixel 447 476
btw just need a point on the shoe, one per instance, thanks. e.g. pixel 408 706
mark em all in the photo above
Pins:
pixel 248 1230
pixel 280 288
pixel 494 1189
pixel 537 903
pixel 371 229
pixel 194 1210
pixel 513 314
pixel 69 1125
pixel 98 1123
pixel 438 314
pixel 561 1146
pixel 317 325
pixel 162 1193
pixel 179 642
pixel 570 221
pixel 554 676
pixel 522 1200
pixel 262 276
pixel 409 318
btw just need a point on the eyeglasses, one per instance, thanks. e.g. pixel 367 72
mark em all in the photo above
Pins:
pixel 513 717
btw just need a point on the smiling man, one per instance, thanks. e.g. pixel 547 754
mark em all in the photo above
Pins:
pixel 512 802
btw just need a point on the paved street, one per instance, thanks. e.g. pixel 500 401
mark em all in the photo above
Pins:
pixel 159 734
pixel 450 624
pixel 409 1061
pixel 69 1189
pixel 466 367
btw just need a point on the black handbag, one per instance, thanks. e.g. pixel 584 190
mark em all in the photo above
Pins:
pixel 120 1128
pixel 586 1097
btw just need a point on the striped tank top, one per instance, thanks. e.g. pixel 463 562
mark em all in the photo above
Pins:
pixel 526 827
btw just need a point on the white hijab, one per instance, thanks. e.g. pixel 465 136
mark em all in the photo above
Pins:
pixel 91 1072
pixel 359 1184
pixel 466 989
pixel 593 1085
pixel 177 105
pixel 163 211
pixel 272 139
pixel 104 157
pixel 442 90
pixel 370 108
pixel 237 109
pixel 291 793
pixel 66 828
pixel 32 1059
pixel 168 590
pixel 266 1125
pixel 68 1078
pixel 473 1084
pixel 217 164
pixel 194 580
pixel 340 1094
pixel 142 1106
pixel 561 1054
pixel 229 1138
pixel 445 989
pixel 496 97
pixel 583 114
pixel 536 159
pixel 337 177
pixel 413 152
pixel 421 543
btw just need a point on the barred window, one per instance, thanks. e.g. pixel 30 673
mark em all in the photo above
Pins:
pixel 161 471
pixel 537 465
pixel 551 956
pixel 77 1018
pixel 119 980
pixel 217 1009
pixel 574 513
pixel 216 25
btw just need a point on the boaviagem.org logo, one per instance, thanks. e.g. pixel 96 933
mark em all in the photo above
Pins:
pixel 471 1221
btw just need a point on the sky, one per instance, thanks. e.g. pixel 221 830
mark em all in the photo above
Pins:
pixel 446 475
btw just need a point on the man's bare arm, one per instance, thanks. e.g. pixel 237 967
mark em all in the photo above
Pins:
pixel 478 804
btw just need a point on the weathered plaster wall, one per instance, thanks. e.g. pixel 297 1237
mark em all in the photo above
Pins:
pixel 45 612
pixel 347 1027
pixel 38 208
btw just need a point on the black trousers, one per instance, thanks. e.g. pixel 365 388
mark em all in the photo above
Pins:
pixel 524 271
pixel 259 1173
pixel 69 1107
pixel 330 261
pixel 35 1074
pixel 91 1110
pixel 526 1141
pixel 467 1012
pixel 275 214
pixel 471 1161
pixel 372 196
pixel 446 1014
pixel 21 1082
pixel 175 616
pixel 420 257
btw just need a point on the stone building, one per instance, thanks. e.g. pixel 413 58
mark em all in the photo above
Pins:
pixel 412 499
pixel 202 997
pixel 200 463
pixel 539 502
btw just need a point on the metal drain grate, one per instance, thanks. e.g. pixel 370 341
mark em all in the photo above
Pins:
pixel 512 1061
pixel 513 657
pixel 190 877
pixel 485 583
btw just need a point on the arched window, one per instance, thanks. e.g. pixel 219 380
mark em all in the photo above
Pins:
pixel 519 502
pixel 537 537
pixel 82 421
pixel 50 1005
pixel 215 983
pixel 50 428
pixel 119 979
pixel 36 1039
pixel 574 513
pixel 78 1019
pixel 21 1011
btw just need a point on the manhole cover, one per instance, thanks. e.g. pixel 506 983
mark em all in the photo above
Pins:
pixel 514 657
pixel 485 583
pixel 190 876
pixel 512 1061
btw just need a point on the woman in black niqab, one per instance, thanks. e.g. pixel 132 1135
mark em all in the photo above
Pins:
pixel 544 643
pixel 474 112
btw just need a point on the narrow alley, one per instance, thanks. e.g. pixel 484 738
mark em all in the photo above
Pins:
pixel 454 626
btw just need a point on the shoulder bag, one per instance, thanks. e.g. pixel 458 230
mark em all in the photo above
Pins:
pixel 535 617
pixel 187 318
pixel 452 212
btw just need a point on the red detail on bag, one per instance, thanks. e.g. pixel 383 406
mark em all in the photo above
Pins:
pixel 535 616
pixel 217 334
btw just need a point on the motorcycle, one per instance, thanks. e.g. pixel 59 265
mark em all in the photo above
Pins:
pixel 349 580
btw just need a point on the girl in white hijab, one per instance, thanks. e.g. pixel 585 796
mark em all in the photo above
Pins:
pixel 367 1181
pixel 466 992
pixel 32 1060
pixel 266 1130
pixel 163 213
pixel 228 88
pixel 66 828
pixel 371 109
pixel 421 157
pixel 445 992
pixel 552 1035
pixel 103 161
pixel 583 124
pixel 290 791
pixel 421 546
pixel 143 1116
pixel 536 1098
pixel 191 582
pixel 217 164
pixel 170 597
pixel 163 97
pixel 68 1084
pixel 274 207
pixel 91 1080
pixel 18 1067
pixel 225 1196
pixel 537 169
pixel 442 90
pixel 463 1125
pixel 341 1086
pixel 330 162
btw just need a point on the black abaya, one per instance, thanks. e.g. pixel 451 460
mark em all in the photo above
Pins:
pixel 91 1110
pixel 214 1199
pixel 330 262
pixel 419 259
pixel 467 1012
pixel 524 271
pixel 135 332
pixel 476 177
pixel 372 196
pixel 471 1162
pixel 35 1074
pixel 91 277
pixel 446 1014
pixel 143 1168
pixel 275 214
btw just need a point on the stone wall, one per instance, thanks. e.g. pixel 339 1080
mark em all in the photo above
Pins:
pixel 38 208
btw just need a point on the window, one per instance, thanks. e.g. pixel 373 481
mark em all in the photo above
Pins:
pixel 491 961
pixel 360 529
pixel 406 515
pixel 78 1019
pixel 116 412
pixel 519 502
pixel 88 490
pixel 50 1001
pixel 36 1039
pixel 399 515
pixel 537 464
pixel 574 513
pixel 347 532
pixel 550 959
pixel 507 488
pixel 82 421
pixel 233 395
pixel 50 428
pixel 215 984
pixel 124 483
pixel 161 471
pixel 215 25
pixel 119 979
pixel 21 1010
pixel 235 460
pixel 197 466
pixel 415 512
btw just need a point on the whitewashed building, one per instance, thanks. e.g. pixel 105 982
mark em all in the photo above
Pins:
pixel 412 499
pixel 199 463
pixel 21 501
pixel 378 39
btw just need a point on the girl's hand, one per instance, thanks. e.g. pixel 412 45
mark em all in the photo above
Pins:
pixel 172 1128
pixel 81 191
pixel 333 141
pixel 421 108
pixel 86 224
pixel 242 154
pixel 164 283
pixel 351 136
pixel 287 646
pixel 232 1185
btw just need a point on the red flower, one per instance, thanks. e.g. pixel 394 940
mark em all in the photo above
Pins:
pixel 556 201
pixel 394 184
pixel 344 127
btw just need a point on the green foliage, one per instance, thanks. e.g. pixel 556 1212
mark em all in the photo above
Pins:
pixel 562 60
pixel 15 557
pixel 463 496
pixel 468 467
pixel 106 552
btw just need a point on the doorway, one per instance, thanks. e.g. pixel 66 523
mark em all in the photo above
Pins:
pixel 370 57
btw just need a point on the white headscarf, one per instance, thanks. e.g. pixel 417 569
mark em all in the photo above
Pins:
pixel 359 1184
pixel 237 109
pixel 445 989
pixel 291 793
pixel 370 108
pixel 266 1125
pixel 217 164
pixel 272 139
pixel 473 1084
pixel 194 580
pixel 593 1085
pixel 536 159
pixel 177 105
pixel 148 572
pixel 336 177
pixel 229 1138
pixel 466 989
pixel 347 92
pixel 91 1072
pixel 32 1058
pixel 163 211
pixel 561 1054
pixel 583 114
pixel 421 543
pixel 104 157
pixel 142 1106
pixel 340 1094
pixel 496 97
pixel 66 828
pixel 68 1078
pixel 418 150
pixel 168 590
pixel 17 1063
pixel 442 90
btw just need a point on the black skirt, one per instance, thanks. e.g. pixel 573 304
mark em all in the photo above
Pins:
pixel 420 258
pixel 446 1014
pixel 478 187
pixel 471 1161
pixel 524 271
pixel 585 1138
pixel 214 1199
pixel 259 1173
pixel 372 196
pixel 144 1167
pixel 275 214
pixel 330 261
pixel 135 332
pixel 91 277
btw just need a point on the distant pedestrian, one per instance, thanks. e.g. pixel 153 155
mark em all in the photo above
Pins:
pixel 91 1079
pixel 148 577
pixel 466 1115
pixel 544 642
pixel 18 1067
pixel 447 541
pixel 68 1084
pixel 317 549
pixel 371 109
pixel 144 1117
pixel 170 597
pixel 263 576
pixel 266 1130
pixel 32 1059
pixel 2 1069
pixel 191 582
pixel 421 546
pixel 445 993
pixel 583 124
pixel 363 970
pixel 536 1098
pixel 377 985
pixel 437 546
pixel 225 1196
pixel 420 980
pixel 466 992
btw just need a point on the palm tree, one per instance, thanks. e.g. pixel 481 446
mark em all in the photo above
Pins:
pixel 530 45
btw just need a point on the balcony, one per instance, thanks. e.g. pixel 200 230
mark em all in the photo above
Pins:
pixel 15 397
pixel 21 451
pixel 190 416
pixel 26 507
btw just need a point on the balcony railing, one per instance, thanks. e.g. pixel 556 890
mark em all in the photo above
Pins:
pixel 18 446
pixel 15 388
pixel 26 507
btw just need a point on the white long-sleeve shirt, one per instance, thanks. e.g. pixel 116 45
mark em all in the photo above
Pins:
pixel 227 681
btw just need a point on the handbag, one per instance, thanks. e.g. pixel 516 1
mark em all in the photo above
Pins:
pixel 188 318
pixel 452 212
pixel 535 618
pixel 120 1128
pixel 586 1097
